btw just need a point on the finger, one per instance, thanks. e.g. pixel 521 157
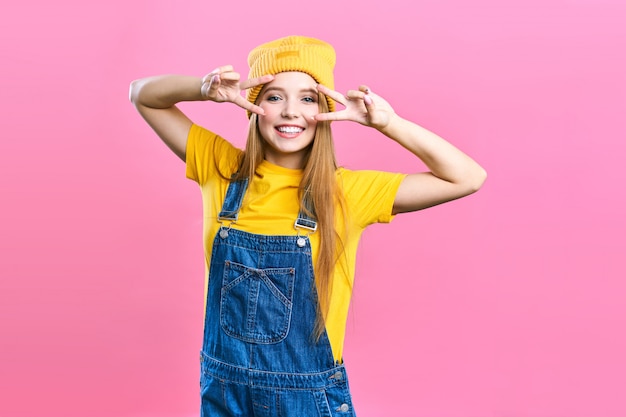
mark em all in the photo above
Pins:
pixel 246 105
pixel 253 82
pixel 336 96
pixel 210 86
pixel 230 76
pixel 365 89
pixel 332 116
pixel 217 71
pixel 369 103
pixel 354 94
pixel 223 69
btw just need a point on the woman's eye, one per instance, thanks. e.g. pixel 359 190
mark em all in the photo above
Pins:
pixel 273 98
pixel 309 99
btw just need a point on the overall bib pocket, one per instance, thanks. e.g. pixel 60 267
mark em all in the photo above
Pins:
pixel 256 304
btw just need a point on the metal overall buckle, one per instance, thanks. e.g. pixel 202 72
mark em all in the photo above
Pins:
pixel 303 224
pixel 225 229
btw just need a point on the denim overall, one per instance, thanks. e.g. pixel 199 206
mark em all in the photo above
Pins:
pixel 259 356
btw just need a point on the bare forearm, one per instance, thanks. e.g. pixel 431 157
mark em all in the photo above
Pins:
pixel 164 91
pixel 155 99
pixel 444 160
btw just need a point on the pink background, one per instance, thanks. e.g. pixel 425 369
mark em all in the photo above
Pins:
pixel 508 303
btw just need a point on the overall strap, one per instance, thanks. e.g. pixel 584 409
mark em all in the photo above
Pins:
pixel 234 198
pixel 305 221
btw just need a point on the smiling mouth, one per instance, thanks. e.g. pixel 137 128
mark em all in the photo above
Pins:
pixel 290 130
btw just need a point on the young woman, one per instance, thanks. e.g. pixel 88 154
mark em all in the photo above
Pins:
pixel 282 221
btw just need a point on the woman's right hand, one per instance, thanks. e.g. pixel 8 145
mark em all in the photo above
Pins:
pixel 223 85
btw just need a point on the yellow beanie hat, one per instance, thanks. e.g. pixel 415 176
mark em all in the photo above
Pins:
pixel 293 53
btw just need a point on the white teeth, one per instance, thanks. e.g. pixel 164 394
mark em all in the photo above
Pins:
pixel 290 129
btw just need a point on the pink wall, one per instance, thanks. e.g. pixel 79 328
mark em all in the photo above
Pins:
pixel 508 303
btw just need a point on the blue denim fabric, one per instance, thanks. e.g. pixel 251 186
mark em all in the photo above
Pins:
pixel 259 356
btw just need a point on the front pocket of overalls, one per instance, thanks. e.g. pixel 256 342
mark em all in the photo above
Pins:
pixel 255 303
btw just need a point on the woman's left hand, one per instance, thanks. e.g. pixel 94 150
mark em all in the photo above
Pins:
pixel 361 106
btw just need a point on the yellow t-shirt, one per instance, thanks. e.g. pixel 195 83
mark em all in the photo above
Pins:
pixel 271 206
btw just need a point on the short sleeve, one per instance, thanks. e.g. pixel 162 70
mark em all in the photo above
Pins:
pixel 370 195
pixel 208 154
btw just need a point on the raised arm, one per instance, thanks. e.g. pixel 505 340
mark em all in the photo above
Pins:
pixel 156 97
pixel 453 174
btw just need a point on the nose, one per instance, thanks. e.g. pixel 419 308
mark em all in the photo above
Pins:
pixel 289 110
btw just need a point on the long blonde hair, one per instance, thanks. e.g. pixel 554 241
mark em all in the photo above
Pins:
pixel 318 191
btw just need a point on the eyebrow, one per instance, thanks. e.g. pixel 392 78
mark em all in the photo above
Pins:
pixel 303 90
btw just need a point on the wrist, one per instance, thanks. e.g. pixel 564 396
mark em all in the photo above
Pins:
pixel 388 128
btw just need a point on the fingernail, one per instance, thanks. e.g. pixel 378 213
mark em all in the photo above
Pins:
pixel 367 100
pixel 215 78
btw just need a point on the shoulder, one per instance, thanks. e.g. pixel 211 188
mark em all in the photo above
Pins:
pixel 209 154
pixel 369 194
pixel 200 137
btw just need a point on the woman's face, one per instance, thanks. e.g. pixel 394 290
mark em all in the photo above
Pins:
pixel 290 102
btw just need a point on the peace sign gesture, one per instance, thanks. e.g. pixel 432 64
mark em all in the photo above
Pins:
pixel 223 85
pixel 361 106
